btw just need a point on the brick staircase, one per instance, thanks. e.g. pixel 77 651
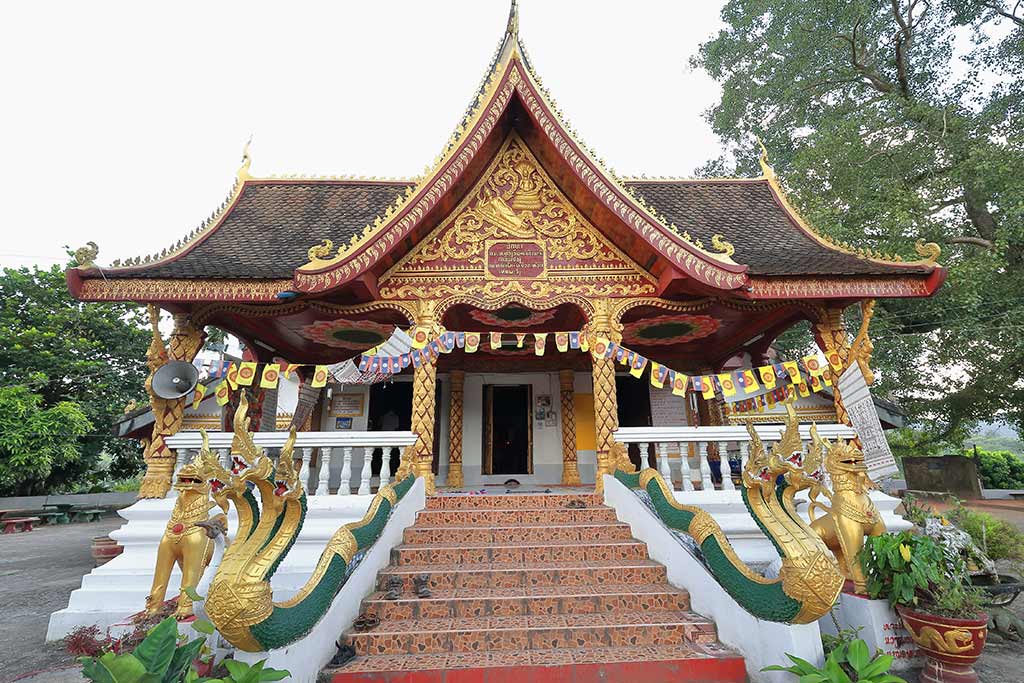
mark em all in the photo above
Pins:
pixel 526 588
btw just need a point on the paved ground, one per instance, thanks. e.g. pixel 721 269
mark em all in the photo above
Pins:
pixel 37 572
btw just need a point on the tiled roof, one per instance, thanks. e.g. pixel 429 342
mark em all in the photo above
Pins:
pixel 269 231
pixel 746 214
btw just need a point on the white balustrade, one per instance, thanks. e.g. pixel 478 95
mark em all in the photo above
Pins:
pixel 680 438
pixel 349 442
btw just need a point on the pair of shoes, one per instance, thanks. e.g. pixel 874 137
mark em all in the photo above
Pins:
pixel 394 586
pixel 576 504
pixel 366 622
pixel 422 585
pixel 344 654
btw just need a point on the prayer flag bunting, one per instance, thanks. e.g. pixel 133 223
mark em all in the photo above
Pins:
pixel 728 386
pixel 574 340
pixel 364 363
pixel 223 393
pixel 584 343
pixel 200 392
pixel 495 340
pixel 420 337
pixel 802 388
pixel 319 377
pixel 746 379
pixel 271 376
pixel 562 342
pixel 246 374
pixel 834 360
pixel 602 348
pixel 793 372
pixel 767 376
pixel 460 339
pixel 520 339
pixel 472 342
pixel 232 376
pixel 813 365
pixel 658 375
pixel 636 368
pixel 539 341
pixel 678 383
pixel 290 368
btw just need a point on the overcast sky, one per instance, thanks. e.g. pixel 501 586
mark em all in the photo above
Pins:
pixel 124 122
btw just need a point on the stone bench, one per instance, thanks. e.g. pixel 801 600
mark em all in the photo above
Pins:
pixel 87 515
pixel 53 517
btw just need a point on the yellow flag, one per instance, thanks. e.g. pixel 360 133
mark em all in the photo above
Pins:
pixel 495 340
pixel 813 365
pixel 246 374
pixel 657 380
pixel 679 384
pixel 271 375
pixel 520 339
pixel 637 365
pixel 793 371
pixel 223 393
pixel 767 373
pixel 707 387
pixel 319 377
pixel 420 337
pixel 802 388
pixel 584 343
pixel 539 341
pixel 562 341
pixel 728 385
pixel 200 392
pixel 289 368
pixel 232 376
pixel 749 381
pixel 472 342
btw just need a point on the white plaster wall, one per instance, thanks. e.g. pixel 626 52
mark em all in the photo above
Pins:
pixel 114 591
pixel 306 657
pixel 760 642
pixel 327 424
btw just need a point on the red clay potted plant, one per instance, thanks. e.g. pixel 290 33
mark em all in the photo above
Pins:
pixel 927 587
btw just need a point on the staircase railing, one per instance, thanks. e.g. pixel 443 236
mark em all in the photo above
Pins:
pixel 694 445
pixel 357 449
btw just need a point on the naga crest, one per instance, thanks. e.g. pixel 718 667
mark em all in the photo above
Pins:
pixel 190 477
pixel 247 459
pixel 286 478
pixel 786 457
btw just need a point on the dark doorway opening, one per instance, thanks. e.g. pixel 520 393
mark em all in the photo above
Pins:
pixel 390 410
pixel 634 408
pixel 508 437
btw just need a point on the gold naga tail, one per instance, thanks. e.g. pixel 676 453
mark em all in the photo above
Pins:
pixel 240 602
pixel 809 580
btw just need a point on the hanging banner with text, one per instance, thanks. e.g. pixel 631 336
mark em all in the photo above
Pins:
pixel 861 409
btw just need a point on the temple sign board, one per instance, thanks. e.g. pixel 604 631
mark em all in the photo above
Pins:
pixel 861 409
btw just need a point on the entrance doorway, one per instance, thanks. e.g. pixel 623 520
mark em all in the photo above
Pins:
pixel 390 410
pixel 508 429
pixel 634 407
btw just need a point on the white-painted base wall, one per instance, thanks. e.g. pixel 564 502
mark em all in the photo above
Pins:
pixel 114 591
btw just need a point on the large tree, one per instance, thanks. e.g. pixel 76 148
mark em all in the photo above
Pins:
pixel 889 121
pixel 65 351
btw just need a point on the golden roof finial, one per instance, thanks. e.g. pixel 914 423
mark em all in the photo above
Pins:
pixel 513 20
pixel 766 169
pixel 86 256
pixel 928 251
pixel 243 170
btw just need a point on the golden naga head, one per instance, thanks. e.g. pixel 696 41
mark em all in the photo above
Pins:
pixel 247 459
pixel 190 478
pixel 785 457
pixel 213 473
pixel 286 478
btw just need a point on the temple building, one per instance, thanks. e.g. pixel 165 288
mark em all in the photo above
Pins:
pixel 519 229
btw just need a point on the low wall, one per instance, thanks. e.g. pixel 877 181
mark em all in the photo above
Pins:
pixel 115 500
pixel 946 474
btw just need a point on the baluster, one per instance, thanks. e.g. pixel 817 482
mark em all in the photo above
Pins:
pixel 344 488
pixel 645 454
pixel 663 466
pixel 726 466
pixel 744 455
pixel 307 455
pixel 181 457
pixel 684 466
pixel 364 479
pixel 323 487
pixel 225 457
pixel 385 466
pixel 705 469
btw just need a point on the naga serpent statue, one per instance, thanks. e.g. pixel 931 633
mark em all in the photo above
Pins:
pixel 240 601
pixel 809 580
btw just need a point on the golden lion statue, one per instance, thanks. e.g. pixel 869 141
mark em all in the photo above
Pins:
pixel 851 514
pixel 188 537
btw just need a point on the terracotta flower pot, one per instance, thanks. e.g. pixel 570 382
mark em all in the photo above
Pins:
pixel 105 549
pixel 951 646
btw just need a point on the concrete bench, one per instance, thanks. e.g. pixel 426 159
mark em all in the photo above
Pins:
pixel 13 525
pixel 53 517
pixel 87 515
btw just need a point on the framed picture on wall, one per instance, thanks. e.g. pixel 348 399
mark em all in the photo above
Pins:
pixel 343 423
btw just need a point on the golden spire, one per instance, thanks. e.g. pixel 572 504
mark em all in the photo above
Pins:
pixel 766 169
pixel 513 20
pixel 243 170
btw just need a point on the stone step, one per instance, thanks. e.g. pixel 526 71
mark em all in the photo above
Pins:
pixel 535 551
pixel 508 575
pixel 508 534
pixel 514 501
pixel 523 600
pixel 690 663
pixel 507 518
pixel 534 632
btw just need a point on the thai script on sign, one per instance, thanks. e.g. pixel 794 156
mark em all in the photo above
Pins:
pixel 515 260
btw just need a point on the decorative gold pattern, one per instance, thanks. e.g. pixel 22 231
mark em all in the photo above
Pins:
pixel 861 348
pixel 319 252
pixel 954 641
pixel 928 251
pixel 570 469
pixel 151 289
pixel 813 287
pixel 457 379
pixel 185 342
pixel 86 256
pixel 606 414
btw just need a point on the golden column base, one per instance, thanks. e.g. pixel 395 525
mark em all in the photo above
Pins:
pixel 455 430
pixel 570 471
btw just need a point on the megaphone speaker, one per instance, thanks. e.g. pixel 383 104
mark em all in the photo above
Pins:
pixel 175 379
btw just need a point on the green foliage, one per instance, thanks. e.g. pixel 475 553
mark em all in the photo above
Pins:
pixel 1000 469
pixel 848 662
pixel 240 672
pixel 912 570
pixel 157 659
pixel 1000 540
pixel 36 441
pixel 891 122
pixel 64 350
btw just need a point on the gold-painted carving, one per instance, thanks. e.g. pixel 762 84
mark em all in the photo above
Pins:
pixel 851 514
pixel 457 379
pixel 151 289
pixel 570 468
pixel 86 256
pixel 928 251
pixel 185 342
pixel 187 538
pixel 862 348
pixel 322 251
pixel 952 642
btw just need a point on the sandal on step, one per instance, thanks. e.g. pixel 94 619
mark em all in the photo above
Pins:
pixel 394 587
pixel 422 583
pixel 366 622
pixel 344 654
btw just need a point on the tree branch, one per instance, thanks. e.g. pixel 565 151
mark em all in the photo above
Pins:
pixel 977 241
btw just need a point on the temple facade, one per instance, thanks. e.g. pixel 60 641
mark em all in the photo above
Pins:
pixel 517 229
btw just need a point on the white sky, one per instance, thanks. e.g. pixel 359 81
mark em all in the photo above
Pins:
pixel 123 122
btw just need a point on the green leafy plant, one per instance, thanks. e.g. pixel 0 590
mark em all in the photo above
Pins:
pixel 912 570
pixel 240 672
pixel 157 659
pixel 848 662
pixel 1000 469
pixel 999 539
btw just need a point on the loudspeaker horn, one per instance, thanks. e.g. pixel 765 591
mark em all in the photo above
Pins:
pixel 175 379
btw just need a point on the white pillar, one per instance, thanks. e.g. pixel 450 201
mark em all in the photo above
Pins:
pixel 385 466
pixel 323 487
pixel 705 469
pixel 364 480
pixel 344 487
pixel 684 466
pixel 645 455
pixel 181 457
pixel 307 455
pixel 723 459
pixel 225 457
pixel 666 471
pixel 744 455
